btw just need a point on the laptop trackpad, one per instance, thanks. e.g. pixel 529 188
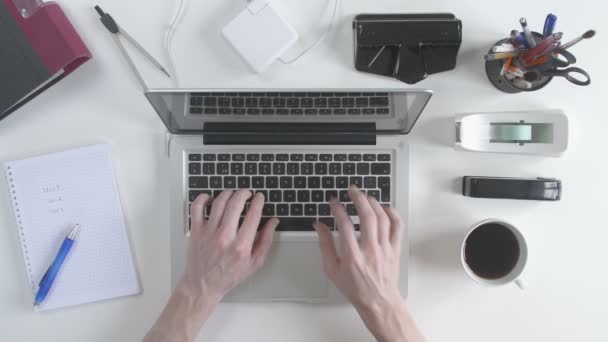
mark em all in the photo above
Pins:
pixel 293 271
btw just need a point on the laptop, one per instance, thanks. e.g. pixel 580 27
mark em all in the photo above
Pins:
pixel 299 148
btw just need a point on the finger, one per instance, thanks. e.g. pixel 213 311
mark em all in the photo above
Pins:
pixel 367 216
pixel 233 211
pixel 384 223
pixel 397 227
pixel 251 222
pixel 197 208
pixel 217 210
pixel 262 244
pixel 346 230
pixel 328 248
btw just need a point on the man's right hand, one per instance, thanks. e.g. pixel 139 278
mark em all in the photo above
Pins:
pixel 367 271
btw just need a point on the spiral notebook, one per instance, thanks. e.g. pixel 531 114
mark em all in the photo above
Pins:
pixel 52 193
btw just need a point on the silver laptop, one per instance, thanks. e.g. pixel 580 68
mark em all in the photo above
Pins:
pixel 299 148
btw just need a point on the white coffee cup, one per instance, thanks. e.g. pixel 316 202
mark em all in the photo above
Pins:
pixel 512 268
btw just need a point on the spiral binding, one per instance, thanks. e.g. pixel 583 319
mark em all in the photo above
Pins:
pixel 13 196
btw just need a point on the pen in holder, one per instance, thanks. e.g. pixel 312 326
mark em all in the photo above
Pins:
pixel 504 80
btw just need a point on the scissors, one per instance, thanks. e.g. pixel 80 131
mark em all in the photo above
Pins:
pixel 552 67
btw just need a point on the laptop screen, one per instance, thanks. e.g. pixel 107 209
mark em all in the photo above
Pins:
pixel 190 112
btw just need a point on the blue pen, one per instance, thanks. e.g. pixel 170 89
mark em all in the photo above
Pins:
pixel 49 277
pixel 549 25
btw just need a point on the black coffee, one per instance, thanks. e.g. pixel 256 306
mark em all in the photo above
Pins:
pixel 491 251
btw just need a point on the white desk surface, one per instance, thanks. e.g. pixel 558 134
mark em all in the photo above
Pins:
pixel 566 299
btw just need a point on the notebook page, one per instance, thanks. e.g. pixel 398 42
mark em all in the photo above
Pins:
pixel 52 193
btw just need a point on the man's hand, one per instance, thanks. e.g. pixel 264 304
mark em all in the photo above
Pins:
pixel 367 271
pixel 220 256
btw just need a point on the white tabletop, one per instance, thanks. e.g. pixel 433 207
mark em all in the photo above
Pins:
pixel 566 299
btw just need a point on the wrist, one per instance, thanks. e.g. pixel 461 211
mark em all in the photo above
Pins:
pixel 387 317
pixel 194 290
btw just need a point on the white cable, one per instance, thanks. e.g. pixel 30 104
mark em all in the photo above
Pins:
pixel 169 34
pixel 329 27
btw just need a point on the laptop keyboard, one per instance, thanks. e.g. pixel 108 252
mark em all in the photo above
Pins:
pixel 297 186
pixel 288 103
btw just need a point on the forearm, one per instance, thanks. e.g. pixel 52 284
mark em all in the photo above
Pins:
pixel 181 320
pixel 391 322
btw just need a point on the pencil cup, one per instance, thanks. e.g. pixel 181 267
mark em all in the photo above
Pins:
pixel 502 83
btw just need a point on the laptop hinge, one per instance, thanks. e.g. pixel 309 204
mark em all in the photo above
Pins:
pixel 263 133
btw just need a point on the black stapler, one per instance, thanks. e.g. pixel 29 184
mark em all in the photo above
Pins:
pixel 408 47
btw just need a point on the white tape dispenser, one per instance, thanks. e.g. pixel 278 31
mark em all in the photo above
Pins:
pixel 541 133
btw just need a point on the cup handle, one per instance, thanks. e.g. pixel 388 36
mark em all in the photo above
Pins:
pixel 521 283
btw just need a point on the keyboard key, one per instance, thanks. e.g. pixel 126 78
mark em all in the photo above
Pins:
pixel 357 181
pixel 339 111
pixel 335 169
pixel 320 102
pixel 196 101
pixel 238 157
pixel 265 102
pixel 282 111
pixel 198 182
pixel 275 196
pixel 307 168
pixel 279 102
pixel 282 210
pixel 268 209
pixel 381 169
pixel 223 102
pixel 257 182
pixel 314 182
pixel 208 168
pixel 369 157
pixel 350 209
pixel 253 157
pixel 293 102
pixel 237 102
pixel 215 182
pixel 253 111
pixel 289 196
pixel 384 183
pixel 223 157
pixel 296 111
pixel 278 169
pixel 342 182
pixel 344 196
pixel 296 210
pixel 368 111
pixel 334 103
pixel 324 209
pixel 225 111
pixel 236 168
pixel 361 102
pixel 329 194
pixel 216 193
pixel 196 110
pixel 325 157
pixel 299 182
pixel 325 111
pixel 194 168
pixel 382 111
pixel 374 193
pixel 193 194
pixel 244 183
pixel 251 169
pixel 296 224
pixel 268 157
pixel 307 103
pixel 263 192
pixel 268 111
pixel 320 169
pixel 384 157
pixel 340 157
pixel 310 209
pixel 369 182
pixel 317 196
pixel 272 182
pixel 223 168
pixel 297 157
pixel 209 157
pixel 354 157
pixel 354 111
pixel 264 168
pixel 286 182
pixel 348 168
pixel 230 182
pixel 327 182
pixel 303 196
pixel 282 157
pixel 311 157
pixel 211 111
pixel 251 102
pixel 379 101
pixel 195 157
pixel 293 168
pixel 363 169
